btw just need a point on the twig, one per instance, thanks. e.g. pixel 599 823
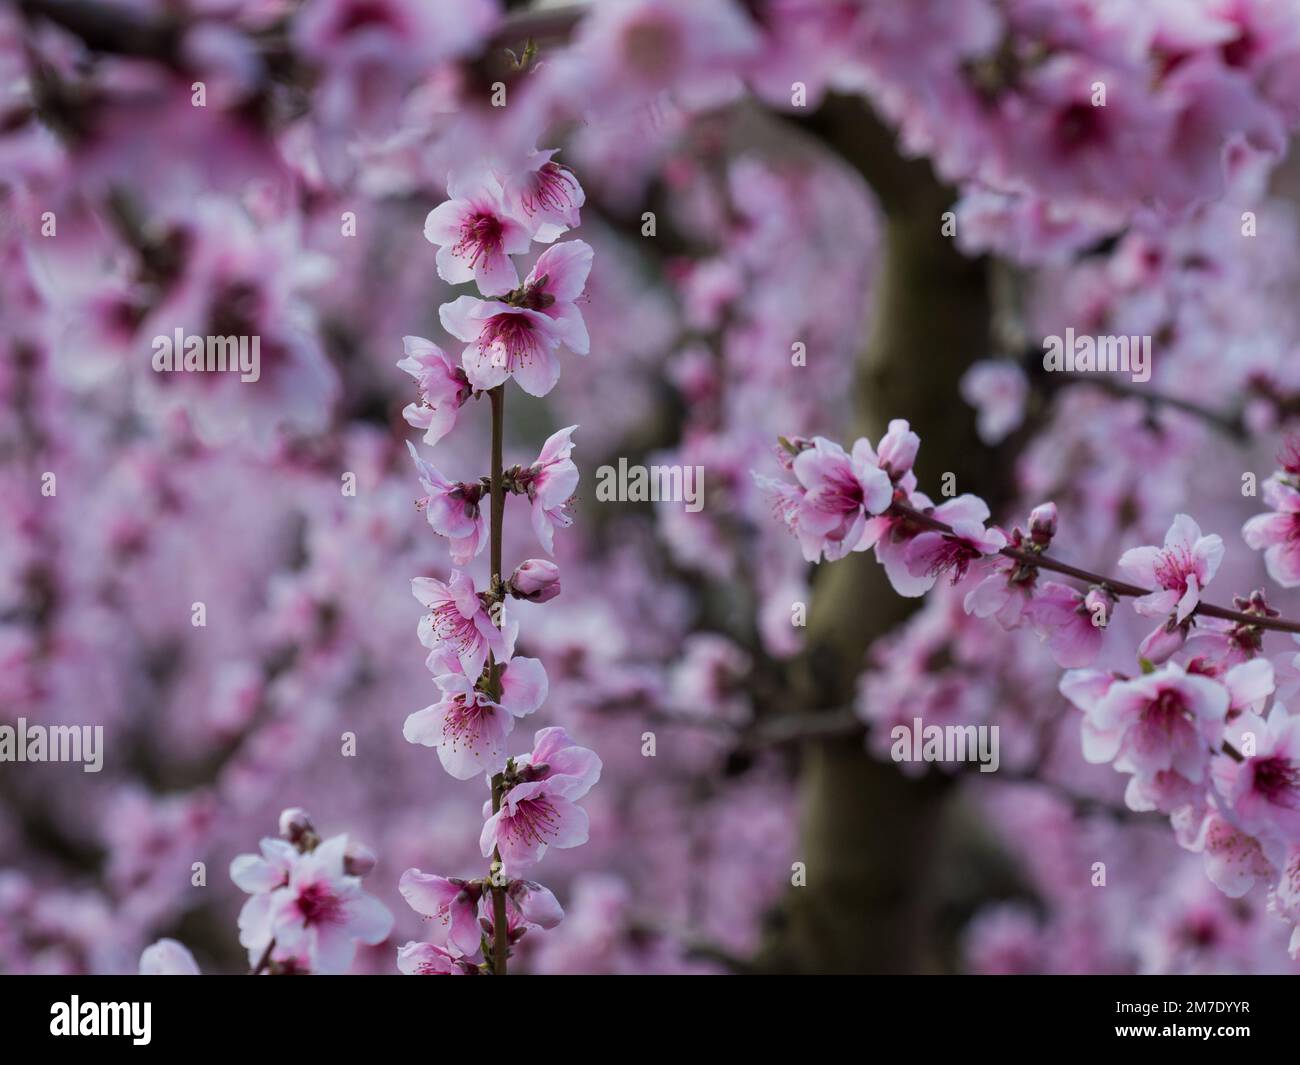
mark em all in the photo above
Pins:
pixel 500 933
pixel 1119 588
pixel 264 960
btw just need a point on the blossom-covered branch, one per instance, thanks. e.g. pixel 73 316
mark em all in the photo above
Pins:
pixel 1205 687
pixel 491 214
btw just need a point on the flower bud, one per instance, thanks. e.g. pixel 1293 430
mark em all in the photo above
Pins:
pixel 295 825
pixel 1099 603
pixel 898 448
pixel 536 580
pixel 357 860
pixel 1042 524
pixel 535 903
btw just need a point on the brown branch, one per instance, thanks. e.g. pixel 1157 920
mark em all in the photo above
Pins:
pixel 1231 424
pixel 500 931
pixel 1119 588
pixel 264 960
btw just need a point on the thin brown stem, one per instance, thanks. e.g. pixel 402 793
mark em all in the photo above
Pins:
pixel 1118 588
pixel 1231 423
pixel 496 490
pixel 264 961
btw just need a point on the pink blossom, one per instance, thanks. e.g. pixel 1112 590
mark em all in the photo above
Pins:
pixel 296 825
pixel 554 286
pixel 317 917
pixel 710 679
pixel 466 725
pixel 1004 592
pixel 476 235
pixel 1068 620
pixel 1178 572
pixel 891 535
pixel 1213 107
pixel 839 491
pixel 452 902
pixel 551 482
pixel 1278 534
pixel 545 193
pixel 516 926
pixel 932 553
pixel 428 959
pixel 1264 789
pixel 1234 861
pixel 259 874
pixel 1164 641
pixel 1166 720
pixel 535 903
pixel 443 386
pixel 1249 685
pixel 366 55
pixel 502 341
pixel 1069 145
pixel 528 905
pixel 453 510
pixel 458 620
pixel 1042 525
pixel 358 859
pixel 555 755
pixel 534 816
pixel 541 811
pixel 1008 585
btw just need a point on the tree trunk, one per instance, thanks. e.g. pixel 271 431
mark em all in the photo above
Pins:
pixel 868 833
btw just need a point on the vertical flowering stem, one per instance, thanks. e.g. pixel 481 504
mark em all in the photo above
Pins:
pixel 496 586
pixel 484 687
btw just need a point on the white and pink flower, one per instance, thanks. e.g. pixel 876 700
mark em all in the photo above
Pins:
pixel 1072 623
pixel 458 620
pixel 520 339
pixel 1169 720
pixel 1178 572
pixel 542 811
pixel 550 483
pixel 476 234
pixel 454 509
pixel 534 816
pixel 451 902
pixel 1263 789
pixel 1277 534
pixel 467 726
pixel 546 194
pixel 306 907
pixel 443 386
pixel 839 491
pixel 933 553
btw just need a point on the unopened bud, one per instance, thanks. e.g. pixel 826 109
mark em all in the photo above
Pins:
pixel 357 860
pixel 295 825
pixel 898 448
pixel 536 580
pixel 1099 603
pixel 1042 524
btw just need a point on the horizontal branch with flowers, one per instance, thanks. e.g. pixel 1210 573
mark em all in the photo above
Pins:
pixel 1163 727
